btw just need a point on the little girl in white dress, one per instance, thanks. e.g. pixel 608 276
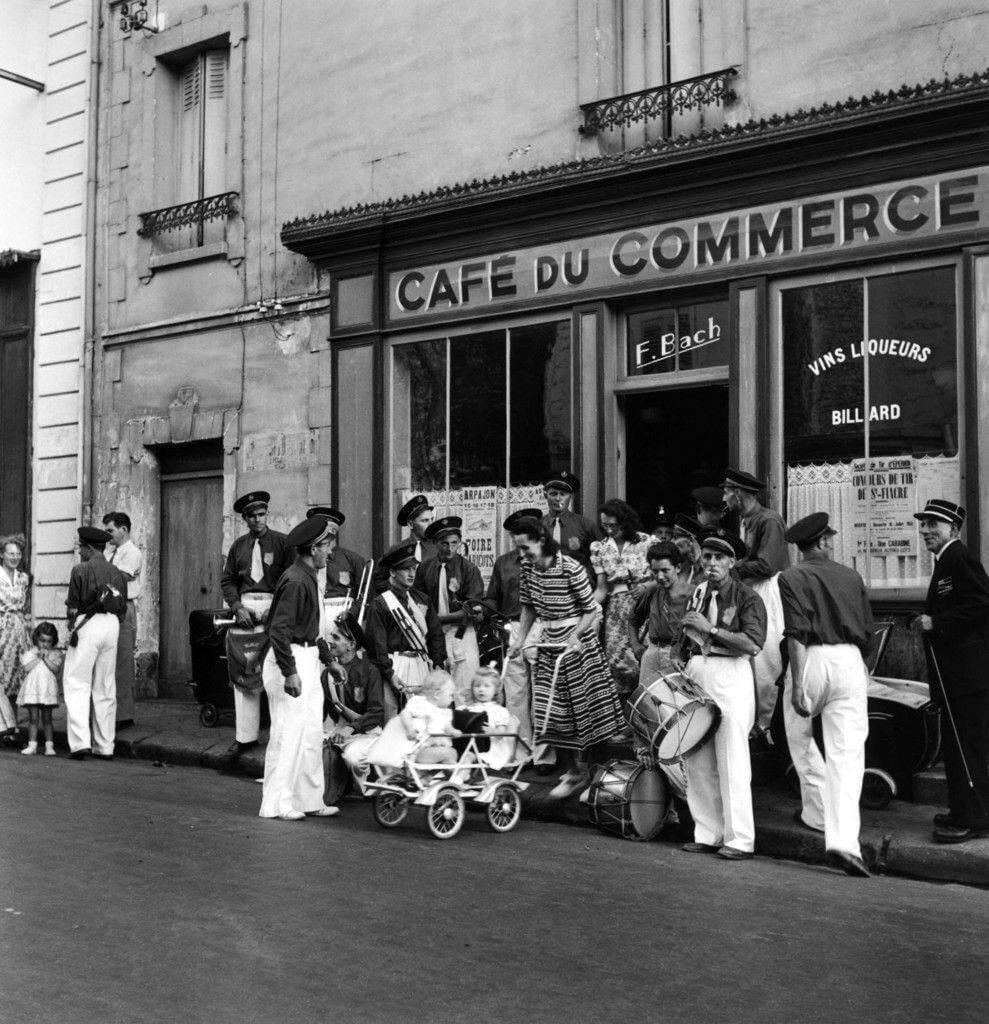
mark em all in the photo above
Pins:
pixel 39 691
pixel 485 688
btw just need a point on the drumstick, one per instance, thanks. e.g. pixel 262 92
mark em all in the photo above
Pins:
pixel 364 590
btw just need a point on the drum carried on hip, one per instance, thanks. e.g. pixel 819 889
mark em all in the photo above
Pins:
pixel 629 800
pixel 673 715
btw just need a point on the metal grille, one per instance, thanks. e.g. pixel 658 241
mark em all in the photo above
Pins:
pixel 198 212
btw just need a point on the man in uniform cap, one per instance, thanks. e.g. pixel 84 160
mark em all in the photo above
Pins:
pixel 344 568
pixel 723 628
pixel 767 557
pixel 89 682
pixel 450 581
pixel 955 625
pixel 662 529
pixel 709 503
pixel 404 636
pixel 255 562
pixel 828 624
pixel 572 531
pixel 416 514
pixel 503 596
pixel 293 762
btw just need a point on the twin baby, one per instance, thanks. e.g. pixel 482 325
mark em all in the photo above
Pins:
pixel 427 719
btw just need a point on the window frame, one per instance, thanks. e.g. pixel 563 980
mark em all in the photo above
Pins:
pixel 860 272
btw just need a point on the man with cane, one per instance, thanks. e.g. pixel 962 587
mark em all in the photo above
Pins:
pixel 955 627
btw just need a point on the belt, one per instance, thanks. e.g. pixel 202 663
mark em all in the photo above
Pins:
pixel 408 654
pixel 302 643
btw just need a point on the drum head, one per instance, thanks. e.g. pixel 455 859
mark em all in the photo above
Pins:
pixel 336 775
pixel 628 800
pixel 692 727
pixel 649 802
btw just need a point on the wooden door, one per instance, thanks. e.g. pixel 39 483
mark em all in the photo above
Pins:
pixel 16 329
pixel 191 566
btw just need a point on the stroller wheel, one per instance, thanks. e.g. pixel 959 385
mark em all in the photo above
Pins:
pixel 389 809
pixel 209 715
pixel 878 788
pixel 505 809
pixel 446 817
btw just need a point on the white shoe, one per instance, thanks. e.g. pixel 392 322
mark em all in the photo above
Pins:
pixel 31 748
pixel 323 812
pixel 570 783
pixel 292 816
pixel 49 750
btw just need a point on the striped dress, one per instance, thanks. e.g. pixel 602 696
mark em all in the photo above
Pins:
pixel 585 710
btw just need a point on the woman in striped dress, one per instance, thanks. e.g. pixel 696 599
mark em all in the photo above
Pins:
pixel 558 607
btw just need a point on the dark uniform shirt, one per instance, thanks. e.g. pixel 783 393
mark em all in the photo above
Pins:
pixel 236 579
pixel 87 579
pixel 294 615
pixel 343 573
pixel 463 581
pixel 763 533
pixel 740 610
pixel 383 636
pixel 663 608
pixel 825 602
pixel 363 693
pixel 576 534
pixel 503 587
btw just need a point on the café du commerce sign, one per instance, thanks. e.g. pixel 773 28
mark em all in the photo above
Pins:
pixel 753 240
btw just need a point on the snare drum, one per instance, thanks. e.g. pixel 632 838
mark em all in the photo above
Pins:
pixel 257 604
pixel 673 715
pixel 628 800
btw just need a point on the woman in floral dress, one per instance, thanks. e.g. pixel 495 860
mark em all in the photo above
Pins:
pixel 622 572
pixel 14 637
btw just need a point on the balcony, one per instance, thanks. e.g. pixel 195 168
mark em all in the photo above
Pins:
pixel 659 104
pixel 192 230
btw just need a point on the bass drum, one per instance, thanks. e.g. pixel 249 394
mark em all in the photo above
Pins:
pixel 628 800
pixel 336 774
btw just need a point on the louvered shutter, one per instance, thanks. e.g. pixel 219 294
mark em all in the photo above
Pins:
pixel 215 123
pixel 189 132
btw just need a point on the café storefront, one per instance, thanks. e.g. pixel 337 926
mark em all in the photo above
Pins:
pixel 821 323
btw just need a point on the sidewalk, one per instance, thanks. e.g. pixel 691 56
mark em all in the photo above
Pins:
pixel 895 841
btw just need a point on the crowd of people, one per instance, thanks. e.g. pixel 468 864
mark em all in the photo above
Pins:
pixel 577 618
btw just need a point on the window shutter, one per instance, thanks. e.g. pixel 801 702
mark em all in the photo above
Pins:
pixel 215 123
pixel 189 131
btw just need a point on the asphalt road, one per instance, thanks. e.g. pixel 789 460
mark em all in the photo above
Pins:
pixel 130 893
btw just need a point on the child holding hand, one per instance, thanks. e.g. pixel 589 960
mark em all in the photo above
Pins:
pixel 39 692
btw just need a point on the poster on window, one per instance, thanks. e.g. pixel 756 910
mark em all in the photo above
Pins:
pixel 885 499
pixel 480 515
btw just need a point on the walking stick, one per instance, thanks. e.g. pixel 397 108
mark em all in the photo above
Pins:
pixel 951 720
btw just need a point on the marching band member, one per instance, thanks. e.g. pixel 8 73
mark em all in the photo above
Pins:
pixel 956 625
pixel 450 581
pixel 293 762
pixel 828 625
pixel 404 636
pixel 571 531
pixel 767 557
pixel 416 514
pixel 344 568
pixel 254 564
pixel 503 598
pixel 709 504
pixel 724 626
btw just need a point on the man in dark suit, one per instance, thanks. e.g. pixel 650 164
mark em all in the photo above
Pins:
pixel 956 625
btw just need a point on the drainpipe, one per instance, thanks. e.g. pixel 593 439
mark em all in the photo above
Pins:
pixel 89 273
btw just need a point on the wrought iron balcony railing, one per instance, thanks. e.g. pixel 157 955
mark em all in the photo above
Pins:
pixel 183 215
pixel 659 103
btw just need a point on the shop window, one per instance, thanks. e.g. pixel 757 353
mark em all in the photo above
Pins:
pixel 870 418
pixel 675 338
pixel 479 421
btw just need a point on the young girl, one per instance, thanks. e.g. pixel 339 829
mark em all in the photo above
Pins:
pixel 426 713
pixel 486 688
pixel 39 691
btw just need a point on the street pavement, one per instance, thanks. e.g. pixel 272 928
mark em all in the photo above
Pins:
pixel 141 893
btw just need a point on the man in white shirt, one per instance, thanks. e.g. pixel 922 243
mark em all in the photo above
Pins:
pixel 127 557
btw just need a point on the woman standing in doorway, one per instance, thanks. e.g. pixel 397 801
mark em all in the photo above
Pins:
pixel 558 609
pixel 622 572
pixel 14 638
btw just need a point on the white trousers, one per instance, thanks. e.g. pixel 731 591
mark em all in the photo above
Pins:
pixel 655 663
pixel 90 686
pixel 247 715
pixel 465 658
pixel 836 683
pixel 355 753
pixel 768 663
pixel 293 762
pixel 518 688
pixel 719 775
pixel 8 715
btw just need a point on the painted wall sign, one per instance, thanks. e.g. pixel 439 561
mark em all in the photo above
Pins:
pixel 754 239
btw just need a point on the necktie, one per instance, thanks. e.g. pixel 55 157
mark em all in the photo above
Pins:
pixel 418 550
pixel 712 608
pixel 442 600
pixel 257 567
pixel 556 530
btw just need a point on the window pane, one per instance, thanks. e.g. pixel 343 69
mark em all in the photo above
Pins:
pixel 477 410
pixel 541 381
pixel 419 415
pixel 652 342
pixel 703 335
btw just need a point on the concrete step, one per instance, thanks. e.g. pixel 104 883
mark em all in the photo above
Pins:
pixel 931 787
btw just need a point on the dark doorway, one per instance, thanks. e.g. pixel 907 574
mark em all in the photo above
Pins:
pixel 675 440
pixel 191 553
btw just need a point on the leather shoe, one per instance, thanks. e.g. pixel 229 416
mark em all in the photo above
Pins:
pixel 102 757
pixel 798 817
pixel 292 816
pixel 943 820
pixel 699 848
pixel 323 812
pixel 848 863
pixel 80 755
pixel 732 853
pixel 958 834
pixel 570 783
